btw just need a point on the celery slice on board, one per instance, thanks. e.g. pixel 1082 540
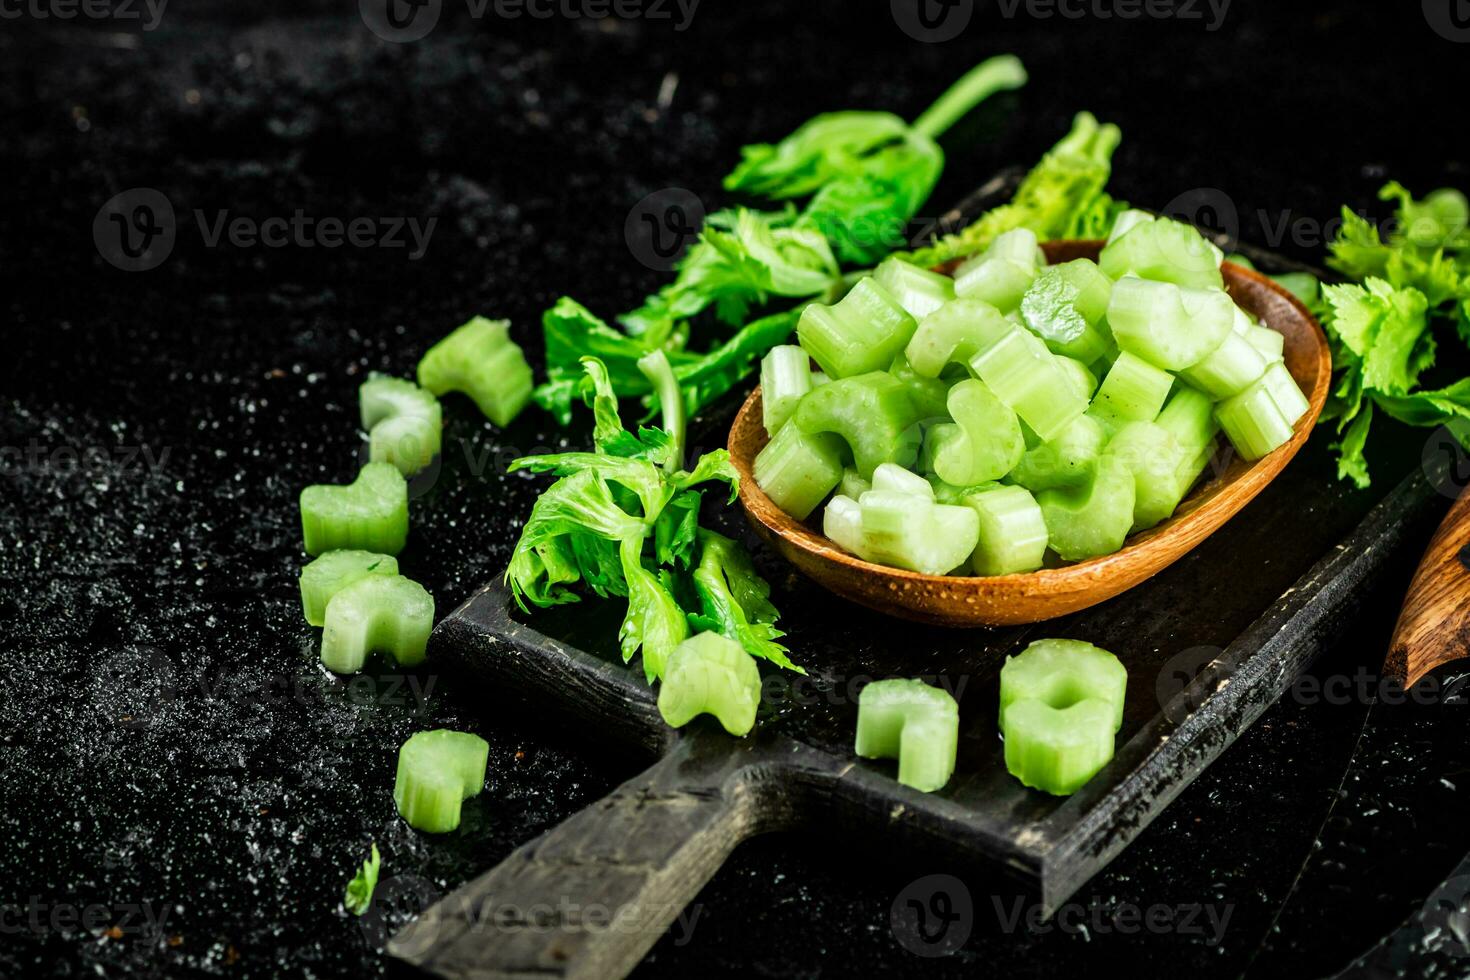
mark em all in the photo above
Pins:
pixel 917 290
pixel 1228 369
pixel 861 333
pixel 1061 703
pixel 1133 391
pixel 984 441
pixel 710 674
pixel 874 414
pixel 370 513
pixel 914 723
pixel 480 360
pixel 786 375
pixel 1092 519
pixel 403 421
pixel 387 613
pixel 1168 326
pixel 1023 374
pixel 326 576
pixel 1013 535
pixel 955 332
pixel 437 772
pixel 1066 461
pixel 798 469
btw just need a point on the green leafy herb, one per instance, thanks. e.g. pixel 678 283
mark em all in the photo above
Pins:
pixel 360 889
pixel 734 600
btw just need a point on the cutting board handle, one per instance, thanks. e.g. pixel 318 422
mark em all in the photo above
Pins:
pixel 587 899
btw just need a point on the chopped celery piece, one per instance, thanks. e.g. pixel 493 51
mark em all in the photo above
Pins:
pixel 1066 461
pixel 1081 376
pixel 1001 275
pixel 842 522
pixel 1013 534
pixel 928 395
pixel 984 441
pixel 1064 307
pixel 948 493
pixel 917 290
pixel 1162 471
pixel 890 477
pixel 437 772
pixel 387 613
pixel 1168 326
pixel 1023 374
pixel 1271 344
pixel 861 333
pixel 403 421
pixel 1228 369
pixel 1255 421
pixel 1190 419
pixel 1284 389
pixel 852 484
pixel 1061 702
pixel 1133 391
pixel 798 469
pixel 480 360
pixel 874 413
pixel 907 531
pixel 1126 222
pixel 326 576
pixel 370 513
pixel 786 375
pixel 1163 250
pixel 912 722
pixel 956 331
pixel 711 674
pixel 1092 519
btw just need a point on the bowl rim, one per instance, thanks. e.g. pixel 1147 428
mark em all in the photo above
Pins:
pixel 1143 547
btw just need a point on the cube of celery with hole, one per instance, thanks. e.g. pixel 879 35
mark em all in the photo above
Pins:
pixel 984 441
pixel 480 360
pixel 1023 374
pixel 798 469
pixel 786 375
pixel 1228 369
pixel 403 421
pixel 1066 461
pixel 861 333
pixel 437 772
pixel 324 577
pixel 955 332
pixel 914 723
pixel 1133 391
pixel 387 613
pixel 1092 519
pixel 368 514
pixel 917 290
pixel 1169 326
pixel 1001 275
pixel 874 413
pixel 1061 705
pixel 1013 535
pixel 1163 250
pixel 710 674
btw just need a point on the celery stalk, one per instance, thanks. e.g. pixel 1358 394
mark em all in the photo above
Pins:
pixel 1168 326
pixel 786 375
pixel 370 513
pixel 1133 391
pixel 984 441
pixel 326 576
pixel 1013 535
pixel 480 360
pixel 386 613
pixel 917 290
pixel 1023 374
pixel 710 674
pixel 955 332
pixel 437 772
pixel 403 422
pixel 874 413
pixel 861 333
pixel 1228 369
pixel 914 723
pixel 1092 519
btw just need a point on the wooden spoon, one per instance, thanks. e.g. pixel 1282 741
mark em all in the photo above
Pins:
pixel 950 600
pixel 1434 625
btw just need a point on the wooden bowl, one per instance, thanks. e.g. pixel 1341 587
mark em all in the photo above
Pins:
pixel 952 600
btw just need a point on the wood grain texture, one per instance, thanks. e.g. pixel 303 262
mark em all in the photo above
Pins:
pixel 964 601
pixel 1433 627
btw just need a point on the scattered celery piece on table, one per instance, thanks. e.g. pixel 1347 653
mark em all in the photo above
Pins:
pixel 480 360
pixel 333 571
pixel 386 613
pixel 404 422
pixel 1061 702
pixel 370 513
pixel 437 772
pixel 710 674
pixel 914 723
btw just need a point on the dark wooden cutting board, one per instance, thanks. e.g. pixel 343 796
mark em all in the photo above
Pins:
pixel 1209 644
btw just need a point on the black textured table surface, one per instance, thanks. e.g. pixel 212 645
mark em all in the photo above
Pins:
pixel 184 791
